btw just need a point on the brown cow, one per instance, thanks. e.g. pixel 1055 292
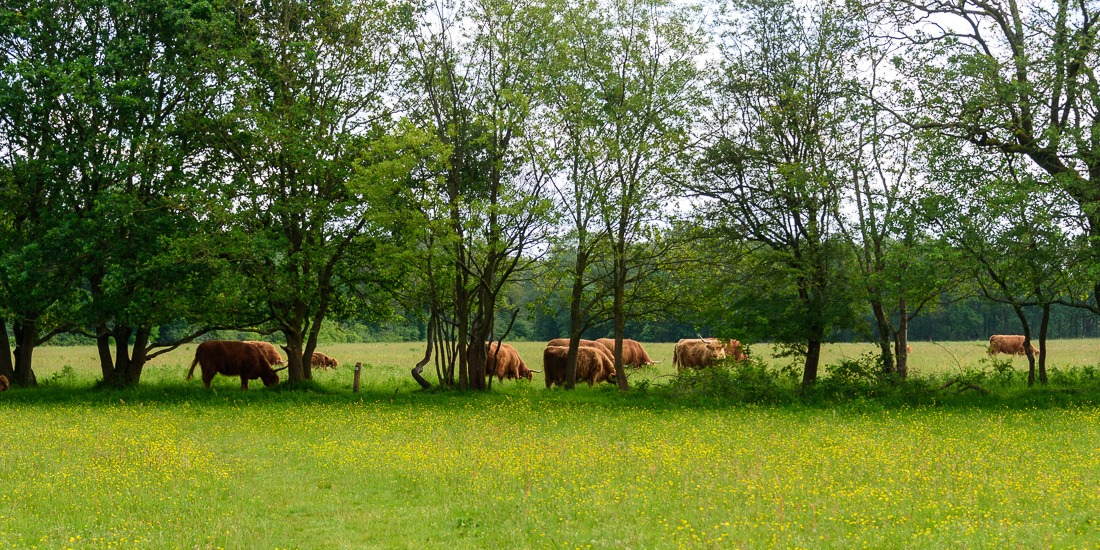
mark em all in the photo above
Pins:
pixel 633 352
pixel 323 361
pixel 1011 344
pixel 271 353
pixel 592 366
pixel 4 384
pixel 597 346
pixel 697 352
pixel 735 350
pixel 503 361
pixel 232 359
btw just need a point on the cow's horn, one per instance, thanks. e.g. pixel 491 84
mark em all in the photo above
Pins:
pixel 537 371
pixel 282 368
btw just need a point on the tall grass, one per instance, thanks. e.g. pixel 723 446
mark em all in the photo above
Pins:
pixel 182 467
pixel 728 457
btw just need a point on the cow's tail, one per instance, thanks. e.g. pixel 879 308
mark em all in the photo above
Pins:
pixel 191 373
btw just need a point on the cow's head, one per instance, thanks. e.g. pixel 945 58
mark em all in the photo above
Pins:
pixel 716 348
pixel 270 378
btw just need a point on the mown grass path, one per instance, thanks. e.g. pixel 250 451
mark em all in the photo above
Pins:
pixel 180 467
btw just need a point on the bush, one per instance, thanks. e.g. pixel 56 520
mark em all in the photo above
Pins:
pixel 745 381
pixel 865 370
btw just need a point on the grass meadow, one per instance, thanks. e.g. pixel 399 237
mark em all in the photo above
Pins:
pixel 172 465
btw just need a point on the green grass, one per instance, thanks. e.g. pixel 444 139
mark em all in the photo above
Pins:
pixel 172 465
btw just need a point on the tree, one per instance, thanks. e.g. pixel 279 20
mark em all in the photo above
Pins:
pixel 1013 79
pixel 314 207
pixel 104 106
pixel 473 76
pixel 649 85
pixel 1021 244
pixel 902 268
pixel 773 169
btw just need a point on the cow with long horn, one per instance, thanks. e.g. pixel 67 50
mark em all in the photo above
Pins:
pixel 693 353
pixel 231 358
pixel 503 361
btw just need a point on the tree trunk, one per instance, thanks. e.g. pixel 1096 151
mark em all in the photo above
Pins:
pixel 619 311
pixel 122 357
pixel 138 357
pixel 1027 344
pixel 7 367
pixel 418 370
pixel 902 339
pixel 298 368
pixel 124 368
pixel 103 346
pixel 26 335
pixel 576 327
pixel 885 347
pixel 480 334
pixel 813 357
pixel 462 320
pixel 1043 325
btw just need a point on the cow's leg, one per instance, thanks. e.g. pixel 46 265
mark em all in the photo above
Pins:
pixel 244 382
pixel 207 376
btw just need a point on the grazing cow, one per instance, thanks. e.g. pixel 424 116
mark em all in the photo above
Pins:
pixel 232 359
pixel 1011 344
pixel 503 361
pixel 271 353
pixel 633 352
pixel 697 353
pixel 908 349
pixel 4 384
pixel 594 344
pixel 323 361
pixel 735 350
pixel 592 366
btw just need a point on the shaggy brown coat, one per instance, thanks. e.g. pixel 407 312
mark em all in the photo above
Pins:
pixel 633 352
pixel 592 366
pixel 232 359
pixel 506 363
pixel 696 353
pixel 1011 344
pixel 271 353
pixel 323 361
pixel 594 344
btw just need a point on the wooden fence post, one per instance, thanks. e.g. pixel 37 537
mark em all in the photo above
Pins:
pixel 355 386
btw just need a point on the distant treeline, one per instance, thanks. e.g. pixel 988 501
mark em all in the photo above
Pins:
pixel 952 320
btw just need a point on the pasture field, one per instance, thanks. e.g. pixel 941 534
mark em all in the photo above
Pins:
pixel 387 364
pixel 172 465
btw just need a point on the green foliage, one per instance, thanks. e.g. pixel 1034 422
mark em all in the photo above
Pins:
pixel 730 382
pixel 867 369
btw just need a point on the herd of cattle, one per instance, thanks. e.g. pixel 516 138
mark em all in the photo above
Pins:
pixel 253 360
pixel 595 363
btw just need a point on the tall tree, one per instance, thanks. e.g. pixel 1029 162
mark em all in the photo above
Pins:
pixel 649 85
pixel 780 128
pixel 319 161
pixel 1012 78
pixel 104 146
pixel 473 77
pixel 1021 241
pixel 901 266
